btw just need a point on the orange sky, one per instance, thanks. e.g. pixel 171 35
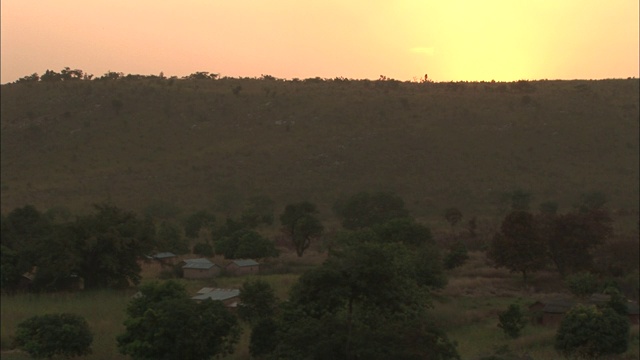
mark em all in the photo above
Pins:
pixel 451 40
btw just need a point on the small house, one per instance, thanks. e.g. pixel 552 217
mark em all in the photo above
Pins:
pixel 229 297
pixel 551 312
pixel 199 269
pixel 165 258
pixel 243 267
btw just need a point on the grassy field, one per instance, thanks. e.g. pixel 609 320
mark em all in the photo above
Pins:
pixel 466 309
pixel 196 145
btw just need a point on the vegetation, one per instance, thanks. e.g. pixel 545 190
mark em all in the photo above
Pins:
pixel 512 321
pixel 587 331
pixel 361 281
pixel 164 323
pixel 300 225
pixel 46 336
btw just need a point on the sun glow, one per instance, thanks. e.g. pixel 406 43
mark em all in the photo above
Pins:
pixel 452 40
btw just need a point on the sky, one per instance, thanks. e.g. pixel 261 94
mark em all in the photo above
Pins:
pixel 449 40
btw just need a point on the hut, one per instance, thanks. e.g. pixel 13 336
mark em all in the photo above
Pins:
pixel 243 267
pixel 199 269
pixel 229 297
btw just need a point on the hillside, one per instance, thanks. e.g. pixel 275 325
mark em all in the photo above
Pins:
pixel 197 143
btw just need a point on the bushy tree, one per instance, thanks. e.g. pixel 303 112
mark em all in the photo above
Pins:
pixel 169 238
pixel 586 331
pixel 194 222
pixel 453 217
pixel 300 224
pixel 50 335
pixel 109 244
pixel 259 210
pixel 366 301
pixel 164 323
pixel 364 209
pixel 244 244
pixel 582 284
pixel 257 301
pixel 456 256
pixel 517 246
pixel 512 321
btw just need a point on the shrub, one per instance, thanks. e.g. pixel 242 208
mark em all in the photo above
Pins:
pixel 456 256
pixel 589 332
pixel 512 321
pixel 582 284
pixel 203 249
pixel 49 335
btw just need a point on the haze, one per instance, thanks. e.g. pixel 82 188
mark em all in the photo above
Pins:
pixel 450 40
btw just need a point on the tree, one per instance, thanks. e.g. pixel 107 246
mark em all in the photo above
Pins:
pixel 109 244
pixel 573 235
pixel 517 247
pixel 403 230
pixel 586 331
pixel 366 301
pixel 244 244
pixel 169 238
pixel 300 224
pixel 194 222
pixel 257 301
pixel 512 321
pixel 163 323
pixel 364 209
pixel 453 216
pixel 50 335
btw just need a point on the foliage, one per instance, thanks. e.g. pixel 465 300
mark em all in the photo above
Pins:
pixel 582 284
pixel 365 210
pixel 264 338
pixel 109 243
pixel 257 301
pixel 517 246
pixel 574 235
pixel 586 331
pixel 244 244
pixel 161 210
pixel 50 335
pixel 366 301
pixel 203 249
pixel 169 238
pixel 301 225
pixel 512 321
pixel 403 230
pixel 456 256
pixel 164 323
pixel 194 222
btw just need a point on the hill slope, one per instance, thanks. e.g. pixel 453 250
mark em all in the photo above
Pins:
pixel 195 143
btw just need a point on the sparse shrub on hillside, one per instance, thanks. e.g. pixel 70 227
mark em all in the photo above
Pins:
pixel 512 321
pixel 161 210
pixel 456 256
pixel 196 221
pixel 453 217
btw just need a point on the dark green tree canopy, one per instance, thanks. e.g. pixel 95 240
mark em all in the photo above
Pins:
pixel 300 224
pixel 50 335
pixel 164 323
pixel 244 244
pixel 257 301
pixel 589 332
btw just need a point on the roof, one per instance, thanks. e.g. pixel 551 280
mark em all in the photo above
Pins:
pixel 245 262
pixel 217 294
pixel 164 255
pixel 201 263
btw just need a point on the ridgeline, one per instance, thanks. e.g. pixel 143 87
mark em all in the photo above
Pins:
pixel 197 144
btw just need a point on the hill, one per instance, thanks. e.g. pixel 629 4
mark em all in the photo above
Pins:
pixel 203 143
